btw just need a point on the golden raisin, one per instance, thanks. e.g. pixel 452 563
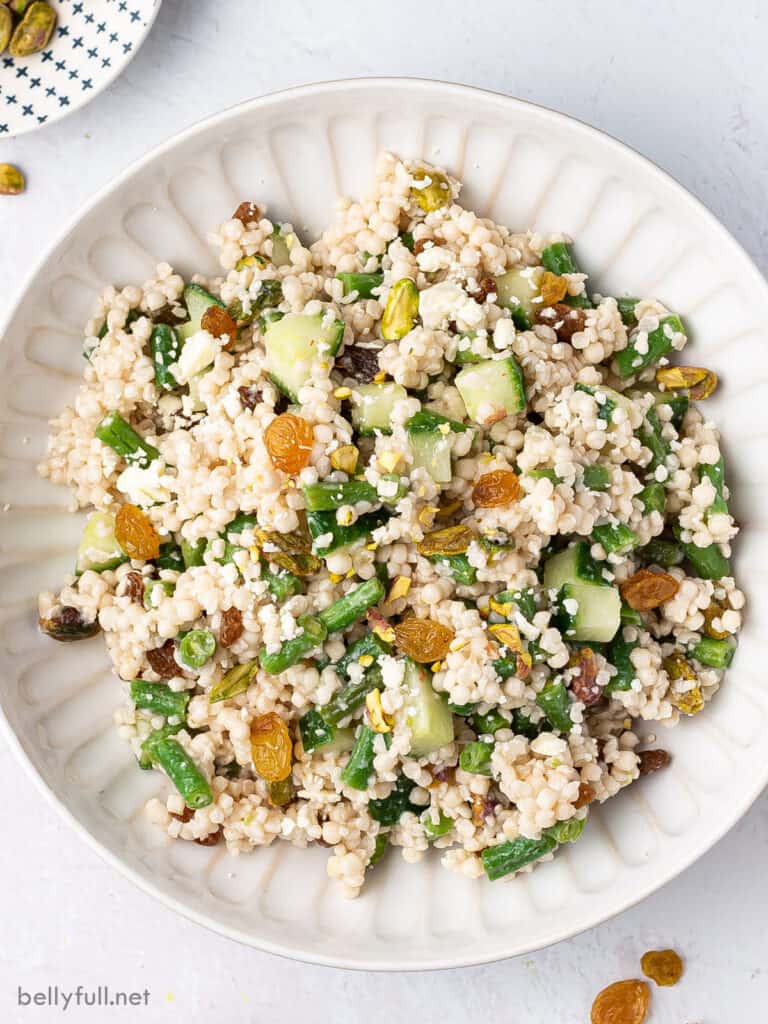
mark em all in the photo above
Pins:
pixel 453 540
pixel 714 611
pixel 647 589
pixel 424 640
pixel 135 533
pixel 271 747
pixel 218 322
pixel 289 440
pixel 663 966
pixel 500 487
pixel 553 288
pixel 624 1002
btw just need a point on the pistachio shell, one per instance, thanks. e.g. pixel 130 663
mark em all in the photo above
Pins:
pixel 6 27
pixel 11 179
pixel 401 310
pixel 434 194
pixel 34 31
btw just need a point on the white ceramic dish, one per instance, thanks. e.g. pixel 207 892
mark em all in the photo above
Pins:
pixel 91 45
pixel 297 150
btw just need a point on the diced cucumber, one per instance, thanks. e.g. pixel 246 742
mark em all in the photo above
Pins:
pixel 429 717
pixel 373 405
pixel 574 565
pixel 492 389
pixel 281 247
pixel 294 343
pixel 98 548
pixel 588 612
pixel 516 290
pixel 433 453
pixel 197 300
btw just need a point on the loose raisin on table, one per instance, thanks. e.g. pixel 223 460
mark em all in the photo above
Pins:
pixel 663 966
pixel 162 660
pixel 624 1002
pixel 652 760
pixel 362 364
pixel 231 628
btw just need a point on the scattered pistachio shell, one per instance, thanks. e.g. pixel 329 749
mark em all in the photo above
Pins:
pixel 452 540
pixel 389 460
pixel 380 626
pixel 6 27
pixel 11 179
pixel 399 588
pixel 697 380
pixel 401 310
pixel 18 6
pixel 435 193
pixel 33 33
pixel 235 681
pixel 378 719
pixel 508 634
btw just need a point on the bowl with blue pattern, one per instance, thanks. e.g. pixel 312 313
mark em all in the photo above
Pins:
pixel 90 46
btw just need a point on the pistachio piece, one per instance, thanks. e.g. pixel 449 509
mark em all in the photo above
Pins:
pixel 401 310
pixel 34 31
pixel 11 179
pixel 18 6
pixel 6 27
pixel 434 193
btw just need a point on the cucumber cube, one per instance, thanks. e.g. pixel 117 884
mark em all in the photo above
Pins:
pixel 295 343
pixel 429 717
pixel 492 389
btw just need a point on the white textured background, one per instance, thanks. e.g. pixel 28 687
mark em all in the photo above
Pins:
pixel 684 82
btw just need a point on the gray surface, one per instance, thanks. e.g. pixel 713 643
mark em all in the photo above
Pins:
pixel 684 83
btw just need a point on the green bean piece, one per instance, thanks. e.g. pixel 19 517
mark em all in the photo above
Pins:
pixel 661 552
pixel 543 474
pixel 555 702
pixel 627 307
pixel 678 403
pixel 515 854
pixel 654 497
pixel 197 647
pixel 357 770
pixel 489 723
pixel 315 731
pixel 476 758
pixel 183 773
pixel 150 587
pixel 715 473
pixel 192 554
pixel 270 294
pixel 653 439
pixel 436 829
pixel 714 653
pixel 369 643
pixel 281 583
pixel 352 606
pixel 313 634
pixel 361 283
pixel 170 557
pixel 159 698
pixel 596 477
pixel 406 238
pixel 379 849
pixel 463 573
pixel 615 538
pixel 606 407
pixel 462 710
pixel 389 809
pixel 619 651
pixel 322 524
pixel 146 757
pixel 351 696
pixel 567 831
pixel 329 495
pixel 708 563
pixel 234 682
pixel 630 361
pixel 524 600
pixel 120 436
pixel 165 349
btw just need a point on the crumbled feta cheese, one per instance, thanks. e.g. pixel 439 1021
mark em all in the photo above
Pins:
pixel 145 487
pixel 198 353
pixel 439 303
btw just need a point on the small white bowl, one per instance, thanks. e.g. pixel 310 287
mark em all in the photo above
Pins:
pixel 90 46
pixel 635 230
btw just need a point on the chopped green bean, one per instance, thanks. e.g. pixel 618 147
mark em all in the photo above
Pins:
pixel 329 495
pixel 714 653
pixel 313 633
pixel 352 606
pixel 715 473
pixel 489 723
pixel 361 283
pixel 369 643
pixel 657 344
pixel 379 849
pixel 192 554
pixel 183 773
pixel 389 809
pixel 709 563
pixel 436 829
pixel 596 477
pixel 615 538
pixel 661 552
pixel 146 758
pixel 351 696
pixel 619 653
pixel 281 583
pixel 159 698
pixel 170 557
pixel 358 769
pixel 653 439
pixel 654 497
pixel 165 349
pixel 120 436
pixel 627 307
pixel 515 854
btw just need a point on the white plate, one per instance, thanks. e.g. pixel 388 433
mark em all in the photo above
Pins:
pixel 90 47
pixel 636 229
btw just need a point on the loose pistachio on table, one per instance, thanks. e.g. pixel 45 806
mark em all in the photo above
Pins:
pixel 11 179
pixel 34 31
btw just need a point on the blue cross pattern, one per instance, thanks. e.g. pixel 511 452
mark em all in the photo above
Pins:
pixel 21 72
pixel 3 129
